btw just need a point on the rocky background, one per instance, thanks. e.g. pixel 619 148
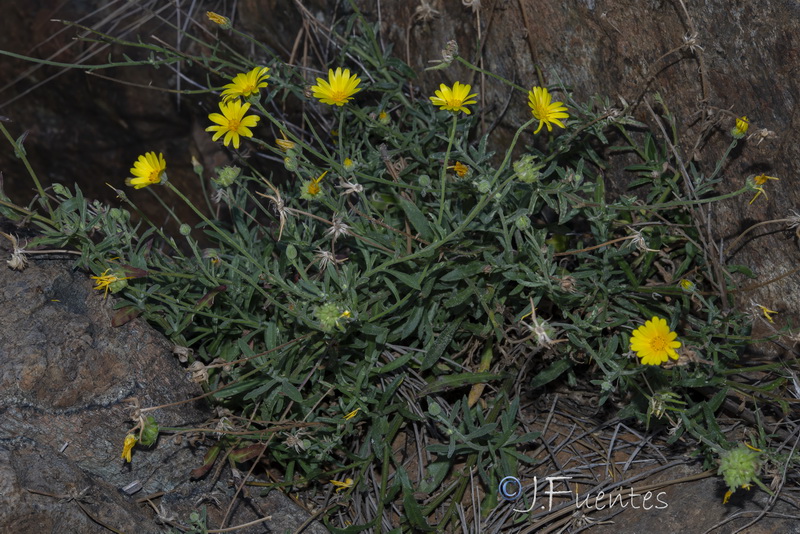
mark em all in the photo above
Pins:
pixel 711 61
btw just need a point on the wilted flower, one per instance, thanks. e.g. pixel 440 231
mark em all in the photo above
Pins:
pixel 739 467
pixel 223 22
pixel 127 447
pixel 284 144
pixel 758 185
pixel 460 169
pixel 309 189
pixel 338 228
pixel 741 127
pixel 113 282
pixel 342 484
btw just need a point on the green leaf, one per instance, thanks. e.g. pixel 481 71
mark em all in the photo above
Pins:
pixel 440 344
pixel 417 219
pixel 411 323
pixel 391 366
pixel 292 392
pixel 459 298
pixel 460 272
pixel 443 383
pixel 413 512
pixel 551 373
pixel 410 280
pixel 437 471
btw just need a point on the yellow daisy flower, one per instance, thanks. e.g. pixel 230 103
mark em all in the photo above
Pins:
pixel 546 111
pixel 127 447
pixel 149 169
pixel 654 342
pixel 232 122
pixel 246 84
pixel 339 89
pixel 454 99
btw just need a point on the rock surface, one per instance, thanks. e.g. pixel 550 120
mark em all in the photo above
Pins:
pixel 65 377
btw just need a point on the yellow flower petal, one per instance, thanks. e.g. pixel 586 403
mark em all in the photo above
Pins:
pixel 149 169
pixel 654 342
pixel 454 99
pixel 127 447
pixel 232 122
pixel 339 89
pixel 546 111
pixel 342 484
pixel 246 84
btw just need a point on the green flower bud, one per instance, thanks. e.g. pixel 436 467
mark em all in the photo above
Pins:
pixel 150 431
pixel 197 167
pixel 526 169
pixel 523 222
pixel 484 186
pixel 185 229
pixel 349 164
pixel 739 466
pixel 118 214
pixel 425 180
pixel 290 163
pixel 228 175
pixel 118 285
pixel 328 316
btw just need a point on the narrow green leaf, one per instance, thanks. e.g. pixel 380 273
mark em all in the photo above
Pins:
pixel 440 344
pixel 551 373
pixel 443 383
pixel 417 219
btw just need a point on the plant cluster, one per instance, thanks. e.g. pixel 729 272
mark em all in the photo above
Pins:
pixel 398 278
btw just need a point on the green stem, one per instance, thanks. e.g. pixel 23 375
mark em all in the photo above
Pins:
pixel 493 75
pixel 443 180
pixel 468 219
pixel 244 252
pixel 27 213
pixel 20 153
pixel 723 159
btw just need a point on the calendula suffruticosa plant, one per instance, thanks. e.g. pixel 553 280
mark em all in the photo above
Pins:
pixel 398 277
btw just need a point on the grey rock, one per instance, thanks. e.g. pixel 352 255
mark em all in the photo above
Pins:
pixel 66 377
